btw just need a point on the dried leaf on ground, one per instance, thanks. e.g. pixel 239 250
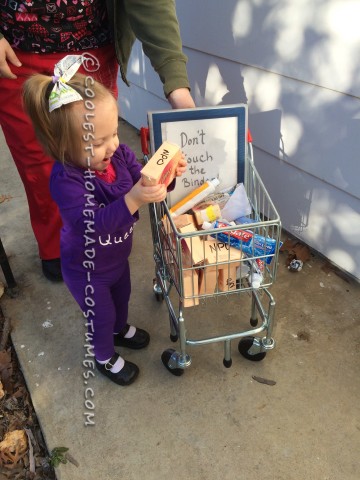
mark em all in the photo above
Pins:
pixel 17 413
pixel 296 250
pixel 31 438
pixel 6 370
pixel 266 381
pixel 4 336
pixel 13 448
pixel 20 392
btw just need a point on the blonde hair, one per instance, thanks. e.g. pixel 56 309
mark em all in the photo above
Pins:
pixel 59 132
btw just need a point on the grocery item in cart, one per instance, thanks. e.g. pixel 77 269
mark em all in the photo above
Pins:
pixel 162 165
pixel 245 240
pixel 238 204
pixel 195 197
pixel 213 262
pixel 227 277
pixel 256 276
pixel 192 247
pixel 179 222
pixel 191 288
pixel 206 212
pixel 207 280
pixel 202 251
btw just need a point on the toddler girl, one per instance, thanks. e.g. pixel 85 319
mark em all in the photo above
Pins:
pixel 96 184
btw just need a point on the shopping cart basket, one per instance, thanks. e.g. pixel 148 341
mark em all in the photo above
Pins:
pixel 200 265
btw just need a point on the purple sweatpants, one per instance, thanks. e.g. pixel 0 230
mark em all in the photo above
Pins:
pixel 105 301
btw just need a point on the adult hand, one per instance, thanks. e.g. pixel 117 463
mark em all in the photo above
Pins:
pixel 181 98
pixel 7 54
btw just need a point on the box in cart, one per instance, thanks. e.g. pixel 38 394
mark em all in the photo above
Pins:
pixel 208 277
pixel 227 277
pixel 220 253
pixel 192 246
pixel 219 267
pixel 179 222
pixel 216 261
pixel 162 165
pixel 191 288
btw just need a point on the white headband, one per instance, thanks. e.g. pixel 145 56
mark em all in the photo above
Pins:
pixel 62 93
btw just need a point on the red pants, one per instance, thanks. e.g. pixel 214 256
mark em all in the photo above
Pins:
pixel 33 165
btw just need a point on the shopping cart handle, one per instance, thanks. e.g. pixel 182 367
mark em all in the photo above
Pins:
pixel 249 137
pixel 145 137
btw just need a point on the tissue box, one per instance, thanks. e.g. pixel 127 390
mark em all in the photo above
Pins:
pixel 162 165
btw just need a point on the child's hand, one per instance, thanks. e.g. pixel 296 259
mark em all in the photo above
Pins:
pixel 181 167
pixel 140 195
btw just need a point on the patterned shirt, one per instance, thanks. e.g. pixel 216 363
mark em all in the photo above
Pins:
pixel 47 26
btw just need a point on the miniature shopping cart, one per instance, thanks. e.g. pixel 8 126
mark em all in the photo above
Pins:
pixel 199 265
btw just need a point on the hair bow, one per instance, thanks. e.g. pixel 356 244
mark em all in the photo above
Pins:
pixel 61 94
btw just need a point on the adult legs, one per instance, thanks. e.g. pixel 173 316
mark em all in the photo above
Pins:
pixel 33 166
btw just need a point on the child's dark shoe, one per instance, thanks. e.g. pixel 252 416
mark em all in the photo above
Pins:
pixel 127 374
pixel 139 340
pixel 52 269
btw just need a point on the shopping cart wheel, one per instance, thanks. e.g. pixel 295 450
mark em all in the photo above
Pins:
pixel 227 363
pixel 157 291
pixel 244 347
pixel 159 297
pixel 166 359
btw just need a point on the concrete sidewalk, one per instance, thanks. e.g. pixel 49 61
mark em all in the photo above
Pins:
pixel 212 423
